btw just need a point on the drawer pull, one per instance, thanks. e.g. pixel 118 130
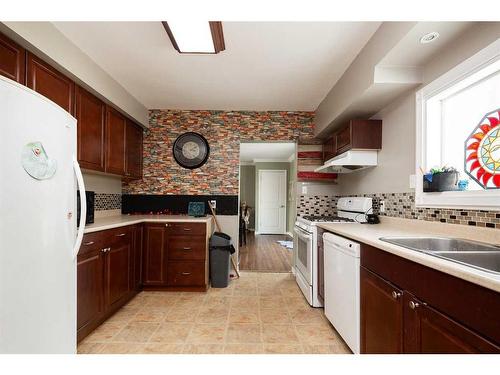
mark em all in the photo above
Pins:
pixel 187 229
pixel 106 249
pixel 88 243
pixel 187 248
pixel 166 225
pixel 120 235
pixel 186 273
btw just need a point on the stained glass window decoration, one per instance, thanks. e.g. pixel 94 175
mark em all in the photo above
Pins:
pixel 482 152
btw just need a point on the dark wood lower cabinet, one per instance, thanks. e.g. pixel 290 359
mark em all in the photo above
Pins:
pixel 114 265
pixel 429 331
pixel 90 299
pixel 104 267
pixel 410 308
pixel 381 315
pixel 118 268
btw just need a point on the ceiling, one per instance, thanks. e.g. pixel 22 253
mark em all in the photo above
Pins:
pixel 266 65
pixel 262 152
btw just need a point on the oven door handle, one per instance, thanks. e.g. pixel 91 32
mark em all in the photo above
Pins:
pixel 303 234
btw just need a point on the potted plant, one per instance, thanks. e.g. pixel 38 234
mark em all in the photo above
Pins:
pixel 441 179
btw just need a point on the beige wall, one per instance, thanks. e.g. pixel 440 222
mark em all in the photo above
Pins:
pixel 397 157
pixel 45 40
pixel 102 183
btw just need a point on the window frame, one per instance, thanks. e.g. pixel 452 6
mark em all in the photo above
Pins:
pixel 473 199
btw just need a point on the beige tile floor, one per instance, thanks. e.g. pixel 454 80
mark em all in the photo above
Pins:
pixel 259 313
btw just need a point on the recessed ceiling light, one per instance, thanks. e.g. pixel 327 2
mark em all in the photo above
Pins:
pixel 430 37
pixel 196 36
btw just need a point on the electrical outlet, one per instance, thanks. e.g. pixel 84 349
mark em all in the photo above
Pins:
pixel 213 204
pixel 382 207
pixel 413 181
pixel 304 189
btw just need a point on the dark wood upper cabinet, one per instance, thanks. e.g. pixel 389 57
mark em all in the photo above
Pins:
pixel 90 113
pixel 428 331
pixel 355 135
pixel 12 60
pixel 381 315
pixel 49 82
pixel 133 147
pixel 115 141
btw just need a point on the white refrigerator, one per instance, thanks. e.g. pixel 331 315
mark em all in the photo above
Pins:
pixel 39 238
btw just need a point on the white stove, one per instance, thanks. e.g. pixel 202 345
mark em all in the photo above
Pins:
pixel 350 210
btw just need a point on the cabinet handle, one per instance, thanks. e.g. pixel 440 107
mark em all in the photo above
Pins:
pixel 395 294
pixel 186 273
pixel 104 250
pixel 413 305
pixel 187 229
pixel 166 225
pixel 187 248
pixel 88 243
pixel 120 235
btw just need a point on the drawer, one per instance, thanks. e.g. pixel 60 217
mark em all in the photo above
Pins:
pixel 186 274
pixel 92 242
pixel 183 229
pixel 187 248
pixel 118 236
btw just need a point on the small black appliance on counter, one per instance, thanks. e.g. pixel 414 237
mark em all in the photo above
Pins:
pixel 90 198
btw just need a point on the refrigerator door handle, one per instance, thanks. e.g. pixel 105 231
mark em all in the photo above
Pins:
pixel 83 207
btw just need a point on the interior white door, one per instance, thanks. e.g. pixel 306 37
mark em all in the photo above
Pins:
pixel 272 201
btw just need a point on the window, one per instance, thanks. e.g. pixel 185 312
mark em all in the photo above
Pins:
pixel 458 126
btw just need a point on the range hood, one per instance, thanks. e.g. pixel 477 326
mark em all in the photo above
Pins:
pixel 350 161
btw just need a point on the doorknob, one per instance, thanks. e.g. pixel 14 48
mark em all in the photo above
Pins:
pixel 413 305
pixel 282 206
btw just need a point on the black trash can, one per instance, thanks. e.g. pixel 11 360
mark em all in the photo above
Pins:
pixel 220 262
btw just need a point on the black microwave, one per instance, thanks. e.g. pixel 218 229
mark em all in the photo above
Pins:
pixel 90 199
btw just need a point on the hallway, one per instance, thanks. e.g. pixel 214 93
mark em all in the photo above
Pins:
pixel 263 253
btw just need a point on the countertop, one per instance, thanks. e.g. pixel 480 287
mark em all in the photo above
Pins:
pixel 109 222
pixel 370 234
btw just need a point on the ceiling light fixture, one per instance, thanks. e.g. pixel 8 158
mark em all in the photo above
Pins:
pixel 196 36
pixel 430 37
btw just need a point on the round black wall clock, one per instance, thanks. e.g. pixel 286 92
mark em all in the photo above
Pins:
pixel 191 150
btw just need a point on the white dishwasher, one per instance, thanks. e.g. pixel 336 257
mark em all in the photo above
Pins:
pixel 342 287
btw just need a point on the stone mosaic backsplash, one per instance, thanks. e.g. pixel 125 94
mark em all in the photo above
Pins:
pixel 105 201
pixel 224 130
pixel 402 205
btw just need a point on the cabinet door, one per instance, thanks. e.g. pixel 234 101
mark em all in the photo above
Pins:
pixel 343 140
pixel 91 115
pixel 329 148
pixel 47 81
pixel 115 142
pixel 154 262
pixel 117 273
pixel 429 331
pixel 12 60
pixel 381 315
pixel 134 150
pixel 90 303
pixel 137 258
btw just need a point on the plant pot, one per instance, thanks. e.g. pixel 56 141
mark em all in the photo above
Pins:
pixel 442 181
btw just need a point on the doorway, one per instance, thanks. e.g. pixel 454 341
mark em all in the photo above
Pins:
pixel 267 206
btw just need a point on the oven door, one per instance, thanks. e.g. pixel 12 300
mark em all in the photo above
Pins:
pixel 304 253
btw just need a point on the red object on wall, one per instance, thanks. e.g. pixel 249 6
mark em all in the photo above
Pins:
pixel 316 176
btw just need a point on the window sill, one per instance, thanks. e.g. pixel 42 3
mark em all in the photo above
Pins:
pixel 478 200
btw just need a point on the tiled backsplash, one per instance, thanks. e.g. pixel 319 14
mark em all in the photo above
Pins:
pixel 403 205
pixel 316 205
pixel 105 201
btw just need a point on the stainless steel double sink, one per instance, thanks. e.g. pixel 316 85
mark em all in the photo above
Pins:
pixel 479 255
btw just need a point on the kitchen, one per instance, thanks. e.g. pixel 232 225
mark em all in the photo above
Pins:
pixel 397 212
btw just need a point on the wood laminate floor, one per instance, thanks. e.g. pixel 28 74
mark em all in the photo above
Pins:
pixel 263 253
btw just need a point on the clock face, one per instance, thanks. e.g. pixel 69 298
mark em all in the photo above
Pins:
pixel 191 150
